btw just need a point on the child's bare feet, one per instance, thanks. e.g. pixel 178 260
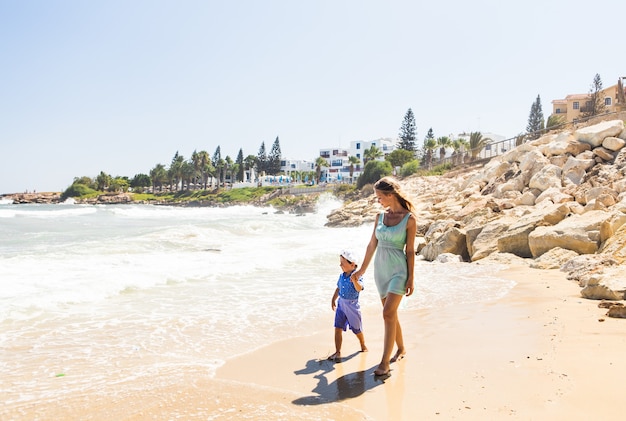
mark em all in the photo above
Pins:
pixel 363 348
pixel 336 357
pixel 399 355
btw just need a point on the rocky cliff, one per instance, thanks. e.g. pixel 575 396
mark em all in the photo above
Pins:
pixel 555 202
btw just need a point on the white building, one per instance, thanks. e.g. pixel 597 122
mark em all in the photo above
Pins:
pixel 338 158
pixel 297 169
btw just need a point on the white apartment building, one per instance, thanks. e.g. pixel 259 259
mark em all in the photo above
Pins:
pixel 338 169
pixel 295 168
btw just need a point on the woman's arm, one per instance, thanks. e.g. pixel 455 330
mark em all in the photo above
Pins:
pixel 411 230
pixel 369 253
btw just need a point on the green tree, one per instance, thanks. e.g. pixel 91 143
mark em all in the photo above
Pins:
pixel 158 176
pixel 188 174
pixel 273 159
pixel 140 181
pixel 443 142
pixel 371 154
pixel 198 160
pixel 240 165
pixel 204 167
pixel 103 181
pixel 319 164
pixel 410 168
pixel 399 157
pixel 119 184
pixel 407 132
pixel 595 100
pixel 218 164
pixel 477 143
pixel 430 144
pixel 261 160
pixel 250 163
pixel 85 181
pixel 374 171
pixel 175 172
pixel 353 160
pixel 554 121
pixel 458 149
pixel 535 126
pixel 429 135
pixel 228 169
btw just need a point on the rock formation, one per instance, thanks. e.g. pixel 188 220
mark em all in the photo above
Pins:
pixel 558 201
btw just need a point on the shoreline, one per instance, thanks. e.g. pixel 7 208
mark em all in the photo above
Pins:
pixel 539 352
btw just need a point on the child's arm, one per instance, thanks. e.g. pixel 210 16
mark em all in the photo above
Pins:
pixel 333 302
pixel 358 285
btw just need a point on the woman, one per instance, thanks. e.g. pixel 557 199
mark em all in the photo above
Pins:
pixel 393 240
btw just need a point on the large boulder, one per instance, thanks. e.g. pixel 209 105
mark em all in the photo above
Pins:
pixel 453 241
pixel 595 135
pixel 564 144
pixel 580 233
pixel 548 176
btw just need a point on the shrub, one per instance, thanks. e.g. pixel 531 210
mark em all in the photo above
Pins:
pixel 374 171
pixel 410 168
pixel 78 190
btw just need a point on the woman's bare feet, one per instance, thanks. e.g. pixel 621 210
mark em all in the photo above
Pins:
pixel 363 348
pixel 399 355
pixel 382 370
pixel 336 357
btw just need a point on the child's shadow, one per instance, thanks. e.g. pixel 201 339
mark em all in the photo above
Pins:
pixel 347 386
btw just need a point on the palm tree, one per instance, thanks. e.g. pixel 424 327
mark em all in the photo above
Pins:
pixel 249 163
pixel 371 154
pixel 228 169
pixel 199 160
pixel 176 170
pixel 457 155
pixel 219 168
pixel 477 143
pixel 188 174
pixel 158 176
pixel 353 160
pixel 319 163
pixel 443 142
pixel 430 144
pixel 103 180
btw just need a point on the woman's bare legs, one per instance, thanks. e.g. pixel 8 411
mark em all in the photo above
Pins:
pixel 393 332
pixel 400 342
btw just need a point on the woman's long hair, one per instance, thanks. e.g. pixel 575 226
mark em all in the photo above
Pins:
pixel 390 186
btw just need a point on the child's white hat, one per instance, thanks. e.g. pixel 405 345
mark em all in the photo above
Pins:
pixel 350 256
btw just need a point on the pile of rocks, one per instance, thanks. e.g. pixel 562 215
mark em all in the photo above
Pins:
pixel 555 202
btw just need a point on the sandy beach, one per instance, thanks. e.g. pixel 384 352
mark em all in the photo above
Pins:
pixel 539 353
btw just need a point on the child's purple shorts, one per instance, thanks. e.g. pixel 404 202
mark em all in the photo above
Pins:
pixel 348 312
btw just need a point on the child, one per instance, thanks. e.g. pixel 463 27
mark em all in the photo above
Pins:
pixel 347 308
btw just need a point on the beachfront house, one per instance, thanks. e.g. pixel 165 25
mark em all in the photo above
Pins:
pixel 573 106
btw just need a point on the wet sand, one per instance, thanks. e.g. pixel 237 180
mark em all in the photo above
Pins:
pixel 541 352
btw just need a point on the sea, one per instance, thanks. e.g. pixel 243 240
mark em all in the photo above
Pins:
pixel 103 296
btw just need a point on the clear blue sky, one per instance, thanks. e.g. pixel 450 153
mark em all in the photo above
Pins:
pixel 120 86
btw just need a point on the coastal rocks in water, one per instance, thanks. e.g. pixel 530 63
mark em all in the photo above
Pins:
pixel 40 198
pixel 354 213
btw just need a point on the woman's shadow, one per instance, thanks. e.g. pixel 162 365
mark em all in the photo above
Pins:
pixel 346 386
